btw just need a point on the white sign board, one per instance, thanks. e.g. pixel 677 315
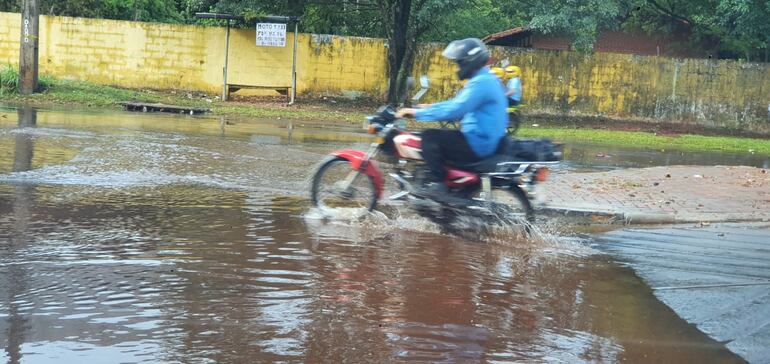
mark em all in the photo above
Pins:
pixel 271 34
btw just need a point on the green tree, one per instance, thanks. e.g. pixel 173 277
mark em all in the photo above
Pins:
pixel 695 18
pixel 405 22
pixel 402 22
pixel 581 20
pixel 728 28
pixel 474 19
pixel 145 10
pixel 10 6
pixel 746 24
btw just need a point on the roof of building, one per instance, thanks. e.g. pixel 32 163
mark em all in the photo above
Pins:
pixel 515 32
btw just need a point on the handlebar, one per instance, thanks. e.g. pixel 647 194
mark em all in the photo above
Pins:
pixel 387 114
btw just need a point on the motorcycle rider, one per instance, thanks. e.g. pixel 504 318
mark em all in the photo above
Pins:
pixel 482 106
pixel 514 85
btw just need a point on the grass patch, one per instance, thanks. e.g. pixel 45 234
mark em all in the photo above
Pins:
pixel 9 81
pixel 53 91
pixel 684 142
pixel 88 94
pixel 81 93
pixel 289 113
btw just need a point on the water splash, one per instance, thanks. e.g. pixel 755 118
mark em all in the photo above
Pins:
pixel 510 232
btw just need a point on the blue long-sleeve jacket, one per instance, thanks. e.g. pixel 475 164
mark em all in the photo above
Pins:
pixel 482 106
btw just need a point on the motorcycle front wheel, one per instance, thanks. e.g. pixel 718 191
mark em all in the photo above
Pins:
pixel 337 187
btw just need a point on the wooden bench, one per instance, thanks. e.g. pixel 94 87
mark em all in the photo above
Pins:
pixel 283 90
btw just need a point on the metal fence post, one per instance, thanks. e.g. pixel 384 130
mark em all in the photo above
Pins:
pixel 227 55
pixel 294 64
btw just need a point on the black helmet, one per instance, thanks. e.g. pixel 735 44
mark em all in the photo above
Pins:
pixel 470 54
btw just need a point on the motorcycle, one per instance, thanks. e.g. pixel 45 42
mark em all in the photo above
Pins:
pixel 350 178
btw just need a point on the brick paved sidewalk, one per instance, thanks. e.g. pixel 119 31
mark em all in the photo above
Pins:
pixel 670 194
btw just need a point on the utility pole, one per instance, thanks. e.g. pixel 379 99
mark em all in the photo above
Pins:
pixel 28 59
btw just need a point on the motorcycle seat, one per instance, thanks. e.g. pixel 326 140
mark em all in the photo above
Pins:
pixel 514 153
pixel 489 164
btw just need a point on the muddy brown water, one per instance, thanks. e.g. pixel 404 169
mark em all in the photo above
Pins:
pixel 153 238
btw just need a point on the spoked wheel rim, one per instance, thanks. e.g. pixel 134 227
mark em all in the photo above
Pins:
pixel 511 204
pixel 330 193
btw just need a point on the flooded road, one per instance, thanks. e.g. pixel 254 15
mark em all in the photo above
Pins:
pixel 145 238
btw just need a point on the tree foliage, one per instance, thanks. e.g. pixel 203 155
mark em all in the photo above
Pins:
pixel 746 25
pixel 729 28
pixel 474 19
pixel 402 22
pixel 582 20
pixel 145 10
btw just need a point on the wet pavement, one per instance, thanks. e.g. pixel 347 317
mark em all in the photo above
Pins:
pixel 716 277
pixel 144 238
pixel 665 194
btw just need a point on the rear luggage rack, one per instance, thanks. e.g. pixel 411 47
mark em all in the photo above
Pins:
pixel 504 168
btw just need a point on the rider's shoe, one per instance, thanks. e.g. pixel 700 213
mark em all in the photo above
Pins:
pixel 436 191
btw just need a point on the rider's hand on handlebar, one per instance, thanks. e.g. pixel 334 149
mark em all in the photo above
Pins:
pixel 405 113
pixel 422 106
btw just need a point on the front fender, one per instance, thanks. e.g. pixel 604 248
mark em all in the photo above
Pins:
pixel 372 170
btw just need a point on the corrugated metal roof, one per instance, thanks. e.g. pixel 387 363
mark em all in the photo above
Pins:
pixel 506 33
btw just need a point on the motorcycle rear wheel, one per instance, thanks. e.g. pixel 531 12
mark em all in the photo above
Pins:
pixel 523 203
pixel 519 207
pixel 327 191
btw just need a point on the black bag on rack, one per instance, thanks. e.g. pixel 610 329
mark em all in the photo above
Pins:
pixel 533 150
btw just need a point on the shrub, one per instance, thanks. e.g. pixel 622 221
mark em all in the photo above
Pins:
pixel 9 81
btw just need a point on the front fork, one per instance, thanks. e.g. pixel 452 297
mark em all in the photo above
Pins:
pixel 347 192
pixel 486 188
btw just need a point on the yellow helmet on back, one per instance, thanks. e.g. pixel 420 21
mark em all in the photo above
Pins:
pixel 512 71
pixel 497 71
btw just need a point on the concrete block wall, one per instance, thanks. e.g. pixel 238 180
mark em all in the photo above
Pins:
pixel 729 94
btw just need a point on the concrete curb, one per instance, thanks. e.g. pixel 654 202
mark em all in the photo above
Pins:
pixel 590 216
pixel 598 216
pixel 644 218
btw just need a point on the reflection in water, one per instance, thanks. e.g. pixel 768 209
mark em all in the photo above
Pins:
pixel 184 273
pixel 22 199
pixel 150 246
pixel 592 157
pixel 22 157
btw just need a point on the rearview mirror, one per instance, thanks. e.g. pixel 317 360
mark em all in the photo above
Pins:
pixel 424 81
pixel 423 89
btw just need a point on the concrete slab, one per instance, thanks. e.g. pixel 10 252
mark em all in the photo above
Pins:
pixel 662 195
pixel 716 277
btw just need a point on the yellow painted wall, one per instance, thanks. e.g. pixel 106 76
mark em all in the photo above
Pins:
pixel 129 54
pixel 165 56
pixel 149 55
pixel 710 93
